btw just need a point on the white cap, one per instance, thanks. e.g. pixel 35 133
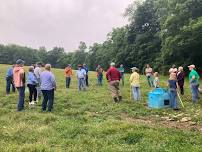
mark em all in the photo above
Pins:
pixel 112 64
pixel 192 66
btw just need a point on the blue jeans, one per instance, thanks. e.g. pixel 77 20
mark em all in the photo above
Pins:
pixel 81 84
pixel 9 82
pixel 48 98
pixel 173 99
pixel 122 79
pixel 21 99
pixel 150 81
pixel 194 91
pixel 99 80
pixel 68 80
pixel 136 93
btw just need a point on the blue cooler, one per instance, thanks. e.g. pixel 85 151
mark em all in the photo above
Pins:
pixel 159 98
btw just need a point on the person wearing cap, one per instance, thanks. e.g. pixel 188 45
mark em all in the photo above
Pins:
pixel 180 79
pixel 37 72
pixel 135 83
pixel 19 82
pixel 149 75
pixel 68 75
pixel 194 83
pixel 113 76
pixel 85 67
pixel 31 84
pixel 9 80
pixel 122 70
pixel 48 86
pixel 81 76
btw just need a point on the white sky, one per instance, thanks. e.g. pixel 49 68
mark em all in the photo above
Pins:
pixel 61 23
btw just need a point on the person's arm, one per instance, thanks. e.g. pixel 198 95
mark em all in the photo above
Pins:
pixel 53 82
pixel 131 78
pixel 108 76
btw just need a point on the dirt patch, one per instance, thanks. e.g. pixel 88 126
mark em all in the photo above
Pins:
pixel 166 122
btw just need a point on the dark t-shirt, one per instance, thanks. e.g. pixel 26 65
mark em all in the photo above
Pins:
pixel 172 84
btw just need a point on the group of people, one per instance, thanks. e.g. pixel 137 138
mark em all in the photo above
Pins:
pixel 37 81
pixel 43 82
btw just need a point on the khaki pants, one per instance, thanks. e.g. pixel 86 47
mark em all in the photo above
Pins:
pixel 114 87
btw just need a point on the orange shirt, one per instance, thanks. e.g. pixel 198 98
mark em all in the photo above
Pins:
pixel 68 72
pixel 18 80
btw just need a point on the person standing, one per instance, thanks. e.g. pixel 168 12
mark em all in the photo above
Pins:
pixel 99 71
pixel 194 83
pixel 172 84
pixel 37 72
pixel 81 76
pixel 19 82
pixel 149 75
pixel 68 75
pixel 135 84
pixel 180 79
pixel 113 76
pixel 85 67
pixel 122 70
pixel 156 82
pixel 48 86
pixel 9 80
pixel 31 84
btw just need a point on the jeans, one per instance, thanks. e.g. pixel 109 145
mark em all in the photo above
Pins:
pixel 48 98
pixel 21 99
pixel 81 84
pixel 122 79
pixel 99 80
pixel 32 91
pixel 9 82
pixel 136 93
pixel 173 99
pixel 86 83
pixel 194 92
pixel 150 81
pixel 68 80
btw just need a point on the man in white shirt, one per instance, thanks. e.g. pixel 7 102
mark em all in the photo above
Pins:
pixel 37 72
pixel 81 76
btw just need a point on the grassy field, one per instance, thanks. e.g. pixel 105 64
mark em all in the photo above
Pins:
pixel 90 121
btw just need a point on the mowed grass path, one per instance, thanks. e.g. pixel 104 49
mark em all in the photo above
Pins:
pixel 90 121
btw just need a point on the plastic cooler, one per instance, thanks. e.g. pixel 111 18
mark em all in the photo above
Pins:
pixel 159 98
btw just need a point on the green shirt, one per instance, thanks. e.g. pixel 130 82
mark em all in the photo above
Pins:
pixel 195 74
pixel 121 70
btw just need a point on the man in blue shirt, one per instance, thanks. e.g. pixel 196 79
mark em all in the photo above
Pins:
pixel 9 80
pixel 85 67
pixel 48 86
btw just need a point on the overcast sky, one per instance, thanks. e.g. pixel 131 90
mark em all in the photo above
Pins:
pixel 61 23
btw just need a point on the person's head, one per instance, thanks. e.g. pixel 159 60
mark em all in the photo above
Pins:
pixel 48 67
pixel 31 69
pixel 191 67
pixel 112 64
pixel 180 69
pixel 121 65
pixel 134 69
pixel 98 66
pixel 84 65
pixel 38 64
pixel 173 66
pixel 173 76
pixel 20 62
pixel 156 74
pixel 148 66
pixel 80 66
pixel 69 65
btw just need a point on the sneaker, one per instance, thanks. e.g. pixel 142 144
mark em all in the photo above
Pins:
pixel 120 98
pixel 31 103
pixel 116 100
pixel 36 101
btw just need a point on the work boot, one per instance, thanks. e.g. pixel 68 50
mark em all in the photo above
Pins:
pixel 120 98
pixel 116 100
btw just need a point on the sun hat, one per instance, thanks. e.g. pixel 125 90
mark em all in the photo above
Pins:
pixel 134 69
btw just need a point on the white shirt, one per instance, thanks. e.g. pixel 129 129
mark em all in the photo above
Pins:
pixel 81 74
pixel 37 72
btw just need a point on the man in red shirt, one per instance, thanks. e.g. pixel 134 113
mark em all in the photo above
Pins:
pixel 113 76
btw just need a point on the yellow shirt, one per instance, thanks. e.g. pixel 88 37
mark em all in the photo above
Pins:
pixel 135 79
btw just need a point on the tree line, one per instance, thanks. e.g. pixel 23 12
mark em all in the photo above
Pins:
pixel 159 32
